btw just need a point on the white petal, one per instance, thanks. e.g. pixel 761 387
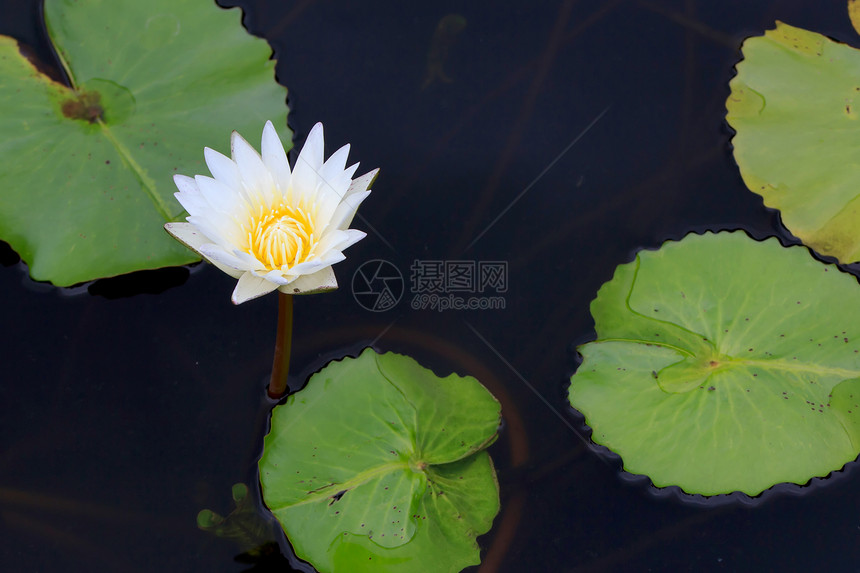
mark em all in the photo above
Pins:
pixel 354 236
pixel 335 165
pixel 325 206
pixel 223 259
pixel 210 228
pixel 335 176
pixel 274 156
pixel 193 204
pixel 363 183
pixel 310 267
pixel 250 287
pixel 349 172
pixel 225 269
pixel 276 276
pixel 207 218
pixel 320 281
pixel 256 178
pixel 345 212
pixel 189 195
pixel 188 235
pixel 227 208
pixel 343 217
pixel 306 179
pixel 250 260
pixel 333 257
pixel 314 146
pixel 222 168
pixel 185 184
pixel 337 240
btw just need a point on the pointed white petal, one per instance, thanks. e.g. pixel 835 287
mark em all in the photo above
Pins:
pixel 256 178
pixel 364 182
pixel 336 164
pixel 276 276
pixel 337 240
pixel 350 171
pixel 235 273
pixel 320 281
pixel 194 204
pixel 188 235
pixel 228 209
pixel 189 195
pixel 326 205
pixel 250 287
pixel 185 184
pixel 210 226
pixel 335 174
pixel 306 172
pixel 314 146
pixel 309 267
pixel 333 257
pixel 251 262
pixel 274 156
pixel 343 217
pixel 352 237
pixel 345 212
pixel 222 168
pixel 220 257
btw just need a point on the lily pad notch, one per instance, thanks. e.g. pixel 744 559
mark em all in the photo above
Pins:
pixel 380 465
pixel 724 364
pixel 87 168
pixel 795 106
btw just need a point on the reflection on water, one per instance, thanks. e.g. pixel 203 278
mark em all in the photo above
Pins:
pixel 444 37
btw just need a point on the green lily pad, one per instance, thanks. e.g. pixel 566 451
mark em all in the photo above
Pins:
pixel 380 465
pixel 723 363
pixel 86 170
pixel 795 104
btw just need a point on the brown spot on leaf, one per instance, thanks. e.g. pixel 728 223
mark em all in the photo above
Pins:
pixel 85 106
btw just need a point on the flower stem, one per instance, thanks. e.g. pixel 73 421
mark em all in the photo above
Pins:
pixel 283 344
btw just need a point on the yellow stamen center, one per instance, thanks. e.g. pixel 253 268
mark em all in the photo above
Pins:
pixel 281 237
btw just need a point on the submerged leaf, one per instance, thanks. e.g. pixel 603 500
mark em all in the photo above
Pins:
pixel 379 465
pixel 795 104
pixel 723 363
pixel 87 171
pixel 244 524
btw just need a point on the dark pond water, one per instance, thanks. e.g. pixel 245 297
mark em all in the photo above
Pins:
pixel 128 407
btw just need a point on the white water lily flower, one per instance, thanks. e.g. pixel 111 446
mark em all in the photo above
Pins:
pixel 268 226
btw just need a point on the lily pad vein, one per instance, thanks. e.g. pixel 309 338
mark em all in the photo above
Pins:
pixel 146 182
pixel 325 492
pixel 668 324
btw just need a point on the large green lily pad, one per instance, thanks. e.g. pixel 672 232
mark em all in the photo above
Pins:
pixel 379 465
pixel 86 170
pixel 723 363
pixel 795 104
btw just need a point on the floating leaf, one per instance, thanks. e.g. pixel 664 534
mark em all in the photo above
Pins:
pixel 795 104
pixel 854 14
pixel 86 171
pixel 723 363
pixel 379 465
